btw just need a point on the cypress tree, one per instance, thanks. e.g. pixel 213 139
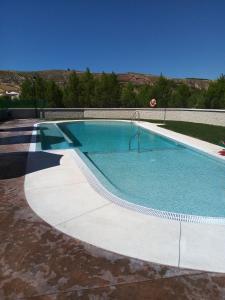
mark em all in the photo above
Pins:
pixel 180 96
pixel 107 91
pixel 215 95
pixel 27 90
pixel 128 96
pixel 53 94
pixel 71 92
pixel 87 89
pixel 162 91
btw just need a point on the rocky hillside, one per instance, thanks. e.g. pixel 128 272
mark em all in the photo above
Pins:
pixel 11 80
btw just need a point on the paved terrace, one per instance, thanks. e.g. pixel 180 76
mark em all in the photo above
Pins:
pixel 39 262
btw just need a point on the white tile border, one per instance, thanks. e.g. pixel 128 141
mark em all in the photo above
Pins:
pixel 97 185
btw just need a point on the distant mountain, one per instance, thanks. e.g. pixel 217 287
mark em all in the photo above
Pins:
pixel 12 80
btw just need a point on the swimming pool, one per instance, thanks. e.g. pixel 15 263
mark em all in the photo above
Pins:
pixel 144 168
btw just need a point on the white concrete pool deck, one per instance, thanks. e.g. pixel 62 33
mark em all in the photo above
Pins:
pixel 63 196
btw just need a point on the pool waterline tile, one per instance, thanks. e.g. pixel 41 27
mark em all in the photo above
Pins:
pixel 179 169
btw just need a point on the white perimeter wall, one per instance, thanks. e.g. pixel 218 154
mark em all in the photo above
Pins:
pixel 215 117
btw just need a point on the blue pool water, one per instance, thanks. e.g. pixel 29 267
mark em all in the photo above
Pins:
pixel 164 175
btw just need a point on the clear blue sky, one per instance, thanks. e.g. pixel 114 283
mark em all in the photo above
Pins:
pixel 180 38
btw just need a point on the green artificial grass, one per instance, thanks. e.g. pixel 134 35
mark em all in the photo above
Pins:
pixel 209 133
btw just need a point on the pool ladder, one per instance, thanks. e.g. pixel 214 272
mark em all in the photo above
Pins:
pixel 135 117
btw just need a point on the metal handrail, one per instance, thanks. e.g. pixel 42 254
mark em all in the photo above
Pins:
pixel 138 133
pixel 135 116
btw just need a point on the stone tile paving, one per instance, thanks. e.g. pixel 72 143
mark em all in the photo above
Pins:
pixel 39 262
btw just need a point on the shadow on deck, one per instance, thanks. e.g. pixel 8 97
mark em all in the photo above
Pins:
pixel 14 164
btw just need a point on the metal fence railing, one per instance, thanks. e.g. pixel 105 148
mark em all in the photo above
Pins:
pixel 20 103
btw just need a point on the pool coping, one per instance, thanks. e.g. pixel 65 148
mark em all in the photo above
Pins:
pixel 178 244
pixel 200 146
pixel 194 143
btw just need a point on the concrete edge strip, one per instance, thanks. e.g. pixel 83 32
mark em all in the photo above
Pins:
pixel 63 134
pixel 83 166
pixel 176 137
pixel 104 192
pixel 98 187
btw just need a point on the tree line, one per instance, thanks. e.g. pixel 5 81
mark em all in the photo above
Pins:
pixel 87 90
